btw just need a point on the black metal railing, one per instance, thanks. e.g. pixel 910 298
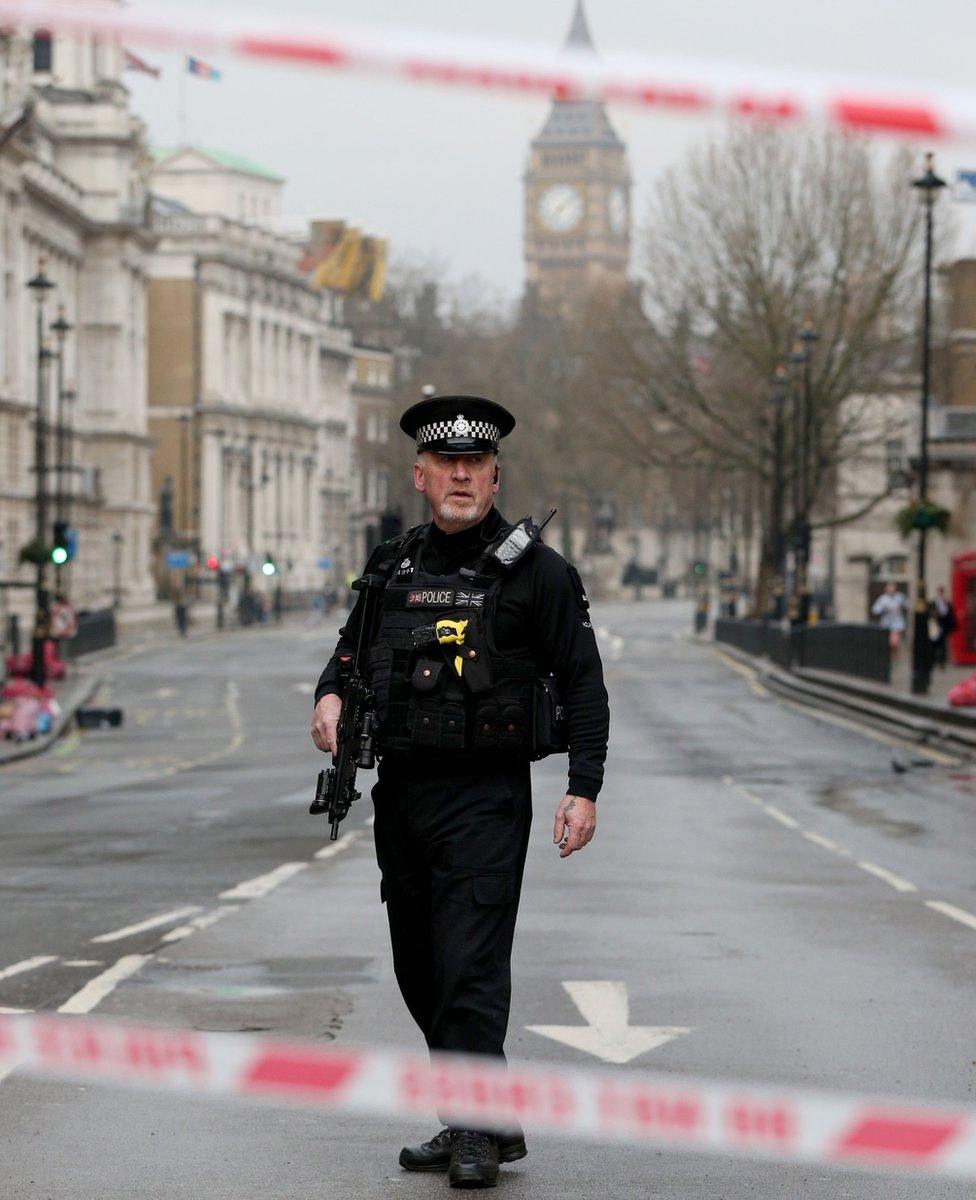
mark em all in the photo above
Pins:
pixel 96 631
pixel 848 649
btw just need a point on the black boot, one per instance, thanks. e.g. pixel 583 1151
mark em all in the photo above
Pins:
pixel 435 1155
pixel 474 1159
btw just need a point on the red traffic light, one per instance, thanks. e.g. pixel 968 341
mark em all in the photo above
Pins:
pixel 213 562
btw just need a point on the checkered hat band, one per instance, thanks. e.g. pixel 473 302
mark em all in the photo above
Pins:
pixel 438 430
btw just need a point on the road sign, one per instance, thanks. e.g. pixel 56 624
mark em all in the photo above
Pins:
pixel 965 187
pixel 178 559
pixel 64 622
pixel 325 564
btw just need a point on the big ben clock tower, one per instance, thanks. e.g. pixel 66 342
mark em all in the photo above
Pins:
pixel 577 197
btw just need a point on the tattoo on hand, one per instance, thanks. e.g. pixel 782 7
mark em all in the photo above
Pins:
pixel 571 804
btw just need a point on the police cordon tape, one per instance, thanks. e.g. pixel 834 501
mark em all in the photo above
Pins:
pixel 680 85
pixel 781 1124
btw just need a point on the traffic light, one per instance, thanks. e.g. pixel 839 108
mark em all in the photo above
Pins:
pixel 700 568
pixel 60 545
pixel 213 562
pixel 269 566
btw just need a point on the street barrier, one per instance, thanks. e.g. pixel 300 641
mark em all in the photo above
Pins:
pixel 676 85
pixel 96 631
pixel 779 1124
pixel 849 649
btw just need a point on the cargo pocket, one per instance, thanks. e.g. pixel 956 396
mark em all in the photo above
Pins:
pixel 451 725
pixel 424 720
pixel 493 889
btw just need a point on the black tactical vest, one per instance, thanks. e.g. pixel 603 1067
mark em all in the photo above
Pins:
pixel 439 681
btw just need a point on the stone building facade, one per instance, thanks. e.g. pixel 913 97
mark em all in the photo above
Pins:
pixel 73 192
pixel 250 404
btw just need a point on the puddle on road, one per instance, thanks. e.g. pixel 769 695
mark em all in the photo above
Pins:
pixel 835 798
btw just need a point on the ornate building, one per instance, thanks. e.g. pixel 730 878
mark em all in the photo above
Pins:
pixel 73 192
pixel 577 196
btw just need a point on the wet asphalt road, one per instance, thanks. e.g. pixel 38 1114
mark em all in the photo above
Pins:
pixel 760 875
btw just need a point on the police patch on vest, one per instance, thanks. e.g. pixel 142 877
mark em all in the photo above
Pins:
pixel 459 598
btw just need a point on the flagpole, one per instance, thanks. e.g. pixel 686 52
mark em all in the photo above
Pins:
pixel 183 72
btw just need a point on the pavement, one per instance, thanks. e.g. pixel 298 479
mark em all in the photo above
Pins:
pixel 760 877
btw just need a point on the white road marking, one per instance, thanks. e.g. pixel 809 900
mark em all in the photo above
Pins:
pixel 306 689
pixel 950 910
pixel 896 881
pixel 28 964
pixel 371 819
pixel 198 923
pixel 12 1011
pixel 95 990
pixel 331 849
pixel 608 1033
pixel 253 889
pixel 778 815
pixel 166 918
pixel 82 962
pixel 819 840
pixel 164 693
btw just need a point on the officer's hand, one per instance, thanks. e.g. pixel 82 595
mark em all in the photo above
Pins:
pixel 325 723
pixel 575 824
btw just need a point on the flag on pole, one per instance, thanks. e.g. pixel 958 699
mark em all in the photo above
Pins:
pixel 134 63
pixel 201 69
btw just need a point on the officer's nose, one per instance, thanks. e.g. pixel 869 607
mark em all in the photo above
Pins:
pixel 460 471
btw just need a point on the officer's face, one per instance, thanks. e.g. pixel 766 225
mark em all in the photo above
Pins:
pixel 459 487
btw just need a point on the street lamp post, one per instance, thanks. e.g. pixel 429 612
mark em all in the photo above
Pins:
pixel 797 426
pixel 776 513
pixel 929 184
pixel 808 336
pixel 40 285
pixel 60 328
pixel 116 569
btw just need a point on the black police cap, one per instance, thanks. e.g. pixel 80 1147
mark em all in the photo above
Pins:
pixel 457 424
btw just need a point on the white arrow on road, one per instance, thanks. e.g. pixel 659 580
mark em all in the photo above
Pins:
pixel 607 1035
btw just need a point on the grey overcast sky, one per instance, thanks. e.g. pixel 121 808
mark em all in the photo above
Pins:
pixel 439 171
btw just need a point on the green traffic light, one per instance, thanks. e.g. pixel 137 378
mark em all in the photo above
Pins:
pixel 269 568
pixel 59 555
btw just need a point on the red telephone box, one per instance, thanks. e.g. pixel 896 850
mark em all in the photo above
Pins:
pixel 962 642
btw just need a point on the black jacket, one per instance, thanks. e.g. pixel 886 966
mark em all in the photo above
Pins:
pixel 543 609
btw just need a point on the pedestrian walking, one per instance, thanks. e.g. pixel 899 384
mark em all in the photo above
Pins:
pixel 942 622
pixel 483 660
pixel 180 613
pixel 891 608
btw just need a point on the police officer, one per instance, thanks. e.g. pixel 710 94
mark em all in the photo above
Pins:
pixel 483 658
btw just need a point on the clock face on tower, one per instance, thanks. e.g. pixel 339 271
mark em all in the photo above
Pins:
pixel 617 210
pixel 561 207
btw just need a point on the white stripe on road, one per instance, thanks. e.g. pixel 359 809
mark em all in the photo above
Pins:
pixel 950 910
pixel 166 918
pixel 818 839
pixel 331 849
pixel 254 889
pixel 896 881
pixel 28 964
pixel 82 962
pixel 95 990
pixel 13 1011
pixel 198 923
pixel 778 815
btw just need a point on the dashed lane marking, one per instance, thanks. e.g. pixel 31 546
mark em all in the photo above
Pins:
pixel 198 923
pixel 27 964
pixel 331 849
pixel 95 990
pixel 166 918
pixel 81 962
pixel 826 843
pixel 778 815
pixel 261 885
pixel 950 910
pixel 896 881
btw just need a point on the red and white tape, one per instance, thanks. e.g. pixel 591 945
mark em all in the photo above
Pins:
pixel 695 86
pixel 782 1124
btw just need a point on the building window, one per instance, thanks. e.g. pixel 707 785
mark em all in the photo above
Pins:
pixel 895 474
pixel 43 52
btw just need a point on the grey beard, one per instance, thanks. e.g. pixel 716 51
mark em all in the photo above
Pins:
pixel 451 511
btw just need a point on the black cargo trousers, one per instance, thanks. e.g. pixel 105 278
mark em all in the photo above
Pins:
pixel 451 838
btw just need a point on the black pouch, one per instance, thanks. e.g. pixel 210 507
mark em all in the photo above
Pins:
pixel 513 732
pixel 424 719
pixel 549 723
pixel 426 675
pixel 451 728
pixel 487 721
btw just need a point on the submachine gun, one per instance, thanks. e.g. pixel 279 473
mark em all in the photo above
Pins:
pixel 356 735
